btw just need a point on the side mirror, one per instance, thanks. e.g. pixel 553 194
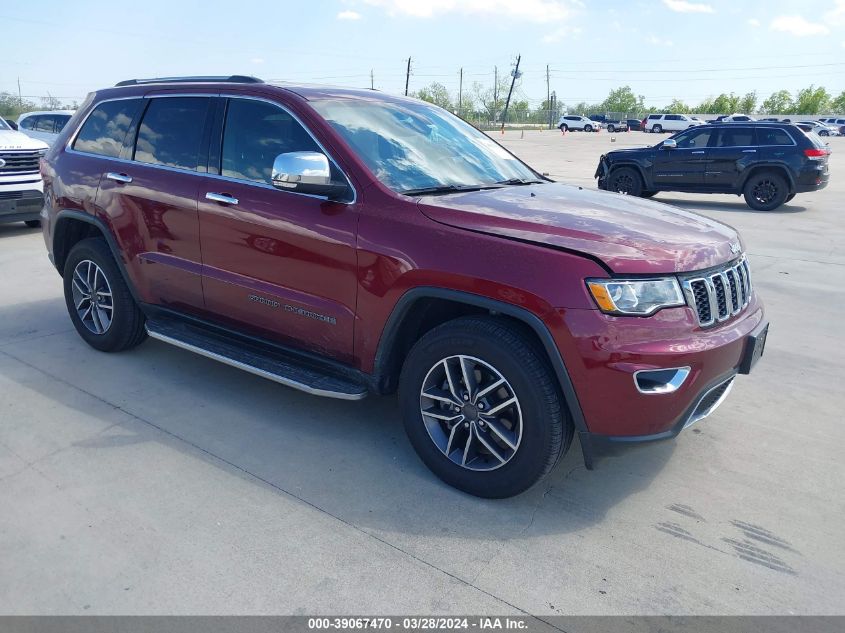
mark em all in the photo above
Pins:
pixel 306 172
pixel 669 143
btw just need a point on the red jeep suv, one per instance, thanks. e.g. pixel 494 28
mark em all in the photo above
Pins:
pixel 343 242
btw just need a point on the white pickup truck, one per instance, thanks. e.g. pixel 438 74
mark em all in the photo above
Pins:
pixel 21 189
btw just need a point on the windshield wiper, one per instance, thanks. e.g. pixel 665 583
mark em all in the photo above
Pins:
pixel 425 191
pixel 519 181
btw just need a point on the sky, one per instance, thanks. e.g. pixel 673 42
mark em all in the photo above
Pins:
pixel 663 49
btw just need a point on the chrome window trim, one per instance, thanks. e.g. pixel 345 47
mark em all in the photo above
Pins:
pixel 70 150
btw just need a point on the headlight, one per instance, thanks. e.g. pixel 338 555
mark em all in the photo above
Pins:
pixel 640 297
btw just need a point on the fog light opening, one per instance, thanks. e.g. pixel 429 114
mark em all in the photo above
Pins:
pixel 660 381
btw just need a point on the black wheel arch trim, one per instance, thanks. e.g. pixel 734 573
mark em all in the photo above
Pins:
pixel 73 214
pixel 400 311
pixel 780 167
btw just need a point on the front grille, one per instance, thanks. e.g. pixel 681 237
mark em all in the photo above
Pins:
pixel 19 195
pixel 19 162
pixel 719 294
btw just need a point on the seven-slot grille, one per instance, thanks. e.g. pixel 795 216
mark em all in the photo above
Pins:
pixel 20 162
pixel 719 294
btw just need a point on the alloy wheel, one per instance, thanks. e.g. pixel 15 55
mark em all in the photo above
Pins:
pixel 92 297
pixel 623 183
pixel 765 191
pixel 471 413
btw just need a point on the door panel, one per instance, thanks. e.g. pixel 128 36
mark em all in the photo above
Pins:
pixel 281 264
pixel 732 149
pixel 683 166
pixel 276 262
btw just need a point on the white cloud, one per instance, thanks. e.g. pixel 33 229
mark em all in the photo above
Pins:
pixel 561 33
pixel 656 41
pixel 348 15
pixel 754 22
pixel 682 6
pixel 837 14
pixel 528 10
pixel 798 26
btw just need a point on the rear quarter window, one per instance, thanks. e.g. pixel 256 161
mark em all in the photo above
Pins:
pixel 104 131
pixel 767 137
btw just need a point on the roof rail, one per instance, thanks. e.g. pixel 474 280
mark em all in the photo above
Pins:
pixel 233 79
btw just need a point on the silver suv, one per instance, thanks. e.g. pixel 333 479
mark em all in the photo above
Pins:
pixel 669 122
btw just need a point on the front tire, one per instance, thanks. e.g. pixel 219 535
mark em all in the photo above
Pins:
pixel 789 197
pixel 588 128
pixel 765 191
pixel 648 194
pixel 625 180
pixel 33 224
pixel 611 128
pixel 482 408
pixel 98 300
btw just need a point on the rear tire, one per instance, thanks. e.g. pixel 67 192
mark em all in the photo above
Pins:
pixel 625 180
pixel 765 191
pixel 528 436
pixel 611 128
pixel 657 129
pixel 112 322
pixel 33 224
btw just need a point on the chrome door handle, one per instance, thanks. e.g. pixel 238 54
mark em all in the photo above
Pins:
pixel 119 177
pixel 701 151
pixel 221 197
pixel 749 151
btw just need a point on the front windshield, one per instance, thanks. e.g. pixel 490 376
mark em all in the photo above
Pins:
pixel 3 125
pixel 410 146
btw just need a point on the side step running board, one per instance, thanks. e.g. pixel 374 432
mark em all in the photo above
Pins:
pixel 273 364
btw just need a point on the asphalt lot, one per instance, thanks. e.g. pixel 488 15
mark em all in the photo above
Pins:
pixel 158 482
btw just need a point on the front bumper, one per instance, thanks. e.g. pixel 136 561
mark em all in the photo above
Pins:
pixel 20 206
pixel 603 355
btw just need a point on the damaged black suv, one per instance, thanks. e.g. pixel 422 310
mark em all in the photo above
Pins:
pixel 767 163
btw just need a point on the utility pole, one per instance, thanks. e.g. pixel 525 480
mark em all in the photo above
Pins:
pixel 461 93
pixel 495 91
pixel 372 80
pixel 407 76
pixel 514 76
pixel 20 98
pixel 548 97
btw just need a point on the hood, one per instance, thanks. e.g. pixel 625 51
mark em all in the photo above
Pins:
pixel 630 235
pixel 12 140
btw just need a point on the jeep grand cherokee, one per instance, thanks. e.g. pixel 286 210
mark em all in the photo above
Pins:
pixel 343 242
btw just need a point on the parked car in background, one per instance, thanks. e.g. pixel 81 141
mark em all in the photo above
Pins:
pixel 818 127
pixel 669 122
pixel 509 311
pixel 21 197
pixel 734 118
pixel 570 122
pixel 45 125
pixel 611 124
pixel 635 125
pixel 768 163
pixel 769 120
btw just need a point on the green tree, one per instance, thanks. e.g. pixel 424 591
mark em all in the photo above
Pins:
pixel 705 107
pixel 489 103
pixel 623 100
pixel 435 93
pixel 725 104
pixel 838 104
pixel 812 100
pixel 748 104
pixel 677 107
pixel 779 102
pixel 11 106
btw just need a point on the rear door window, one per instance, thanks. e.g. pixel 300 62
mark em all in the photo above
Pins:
pixel 45 123
pixel 104 131
pixel 736 137
pixel 171 132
